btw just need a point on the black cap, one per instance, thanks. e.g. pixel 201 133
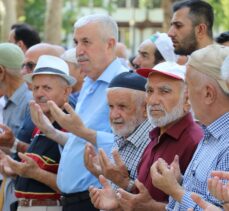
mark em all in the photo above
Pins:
pixel 129 80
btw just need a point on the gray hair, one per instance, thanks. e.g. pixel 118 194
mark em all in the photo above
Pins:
pixel 108 24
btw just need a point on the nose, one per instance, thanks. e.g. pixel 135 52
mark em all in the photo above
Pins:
pixel 137 61
pixel 152 99
pixel 171 32
pixel 80 49
pixel 114 113
pixel 37 93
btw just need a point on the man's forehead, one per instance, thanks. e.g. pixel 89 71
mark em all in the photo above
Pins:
pixel 180 15
pixel 158 80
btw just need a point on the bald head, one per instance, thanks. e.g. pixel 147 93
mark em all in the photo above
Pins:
pixel 121 50
pixel 34 52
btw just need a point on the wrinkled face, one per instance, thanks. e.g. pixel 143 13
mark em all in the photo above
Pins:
pixel 125 113
pixel 92 49
pixel 49 87
pixel 194 91
pixel 182 32
pixel 165 101
pixel 145 57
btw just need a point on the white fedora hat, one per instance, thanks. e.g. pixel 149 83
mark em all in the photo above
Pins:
pixel 51 65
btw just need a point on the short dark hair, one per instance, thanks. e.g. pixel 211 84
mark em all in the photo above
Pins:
pixel 222 38
pixel 26 33
pixel 200 11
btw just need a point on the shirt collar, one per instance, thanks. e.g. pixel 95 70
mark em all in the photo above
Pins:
pixel 176 129
pixel 112 70
pixel 135 137
pixel 16 97
pixel 219 126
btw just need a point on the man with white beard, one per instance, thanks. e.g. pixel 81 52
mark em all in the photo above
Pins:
pixel 175 133
pixel 128 120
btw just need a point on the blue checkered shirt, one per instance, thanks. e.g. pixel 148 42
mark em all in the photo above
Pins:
pixel 212 154
pixel 131 149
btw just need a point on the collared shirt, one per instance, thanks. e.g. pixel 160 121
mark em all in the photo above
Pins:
pixel 131 149
pixel 93 110
pixel 15 108
pixel 180 139
pixel 212 154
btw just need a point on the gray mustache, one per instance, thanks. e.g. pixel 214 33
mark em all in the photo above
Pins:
pixel 42 100
pixel 81 58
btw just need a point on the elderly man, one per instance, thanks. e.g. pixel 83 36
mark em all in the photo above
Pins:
pixel 17 97
pixel 208 94
pixel 156 49
pixel 175 134
pixel 95 37
pixel 191 26
pixel 126 99
pixel 36 186
pixel 26 128
pixel 13 86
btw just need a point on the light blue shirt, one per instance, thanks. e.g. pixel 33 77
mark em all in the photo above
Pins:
pixel 212 154
pixel 93 110
pixel 16 107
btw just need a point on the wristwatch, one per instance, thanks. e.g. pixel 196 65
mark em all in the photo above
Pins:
pixel 13 149
pixel 130 185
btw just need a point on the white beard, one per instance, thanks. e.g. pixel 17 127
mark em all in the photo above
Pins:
pixel 176 113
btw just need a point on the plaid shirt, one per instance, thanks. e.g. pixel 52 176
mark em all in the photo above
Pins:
pixel 212 154
pixel 131 149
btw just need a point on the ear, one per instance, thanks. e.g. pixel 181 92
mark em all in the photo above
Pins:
pixel 210 94
pixel 187 104
pixel 21 44
pixel 67 92
pixel 144 109
pixel 2 73
pixel 201 30
pixel 111 43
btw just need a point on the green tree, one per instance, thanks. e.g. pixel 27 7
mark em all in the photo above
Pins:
pixel 221 12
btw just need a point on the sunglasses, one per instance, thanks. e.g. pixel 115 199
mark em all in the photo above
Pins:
pixel 29 65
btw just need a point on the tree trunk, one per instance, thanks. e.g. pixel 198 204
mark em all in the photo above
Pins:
pixel 20 9
pixel 53 21
pixel 167 9
pixel 9 18
pixel 2 14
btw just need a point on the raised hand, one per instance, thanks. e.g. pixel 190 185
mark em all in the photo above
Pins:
pixel 71 122
pixel 27 168
pixel 164 178
pixel 40 119
pixel 6 136
pixel 91 160
pixel 116 172
pixel 105 198
pixel 137 202
pixel 206 206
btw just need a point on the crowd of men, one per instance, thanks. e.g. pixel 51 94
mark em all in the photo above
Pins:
pixel 83 130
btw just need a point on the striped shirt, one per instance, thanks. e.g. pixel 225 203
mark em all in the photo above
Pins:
pixel 212 154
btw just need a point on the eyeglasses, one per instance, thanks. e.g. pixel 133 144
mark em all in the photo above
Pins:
pixel 29 65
